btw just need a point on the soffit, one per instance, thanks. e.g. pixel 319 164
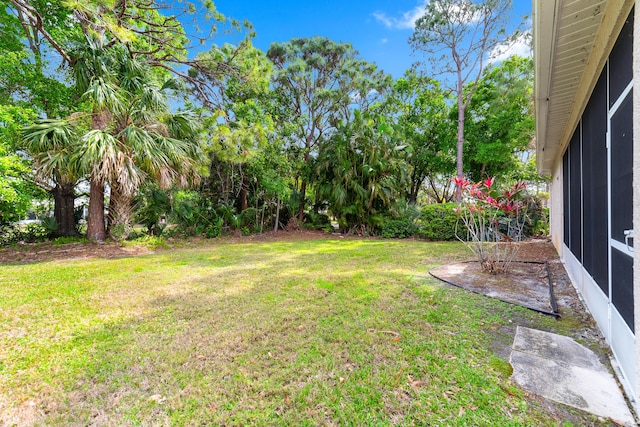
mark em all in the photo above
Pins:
pixel 571 41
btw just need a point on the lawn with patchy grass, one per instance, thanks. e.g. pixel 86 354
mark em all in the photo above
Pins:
pixel 317 332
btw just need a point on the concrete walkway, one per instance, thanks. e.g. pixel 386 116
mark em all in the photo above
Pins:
pixel 558 368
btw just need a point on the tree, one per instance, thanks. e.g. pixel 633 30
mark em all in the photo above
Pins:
pixel 362 171
pixel 137 28
pixel 420 108
pixel 15 192
pixel 127 136
pixel 239 123
pixel 26 85
pixel 466 31
pixel 51 144
pixel 501 124
pixel 317 80
pixel 143 27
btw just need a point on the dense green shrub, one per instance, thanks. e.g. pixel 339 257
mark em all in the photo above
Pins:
pixel 438 221
pixel 9 234
pixel 153 204
pixel 194 215
pixel 398 228
pixel 249 221
pixel 28 233
pixel 400 224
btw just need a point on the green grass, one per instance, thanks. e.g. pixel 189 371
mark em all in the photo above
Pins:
pixel 319 332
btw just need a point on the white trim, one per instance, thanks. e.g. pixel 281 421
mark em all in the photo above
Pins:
pixel 596 301
pixel 614 109
pixel 615 330
pixel 624 347
pixel 581 192
pixel 636 189
pixel 621 247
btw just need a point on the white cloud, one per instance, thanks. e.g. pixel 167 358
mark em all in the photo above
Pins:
pixel 406 21
pixel 384 41
pixel 521 47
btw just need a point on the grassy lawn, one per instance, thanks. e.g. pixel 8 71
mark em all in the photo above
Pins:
pixel 316 332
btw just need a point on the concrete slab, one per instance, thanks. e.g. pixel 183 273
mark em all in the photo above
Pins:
pixel 558 368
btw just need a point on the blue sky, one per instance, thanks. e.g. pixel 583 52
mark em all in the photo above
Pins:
pixel 378 29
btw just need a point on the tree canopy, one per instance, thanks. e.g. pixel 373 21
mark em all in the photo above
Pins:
pixel 457 36
pixel 109 104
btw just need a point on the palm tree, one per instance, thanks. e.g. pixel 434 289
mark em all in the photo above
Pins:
pixel 93 67
pixel 51 144
pixel 128 136
pixel 133 136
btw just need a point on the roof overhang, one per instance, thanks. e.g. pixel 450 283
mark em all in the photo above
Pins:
pixel 571 43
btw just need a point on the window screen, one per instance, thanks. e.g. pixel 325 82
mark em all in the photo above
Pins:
pixel 622 285
pixel 622 169
pixel 575 196
pixel 621 62
pixel 566 197
pixel 594 180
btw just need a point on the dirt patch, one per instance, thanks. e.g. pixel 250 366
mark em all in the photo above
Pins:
pixel 26 253
pixel 526 283
pixel 576 321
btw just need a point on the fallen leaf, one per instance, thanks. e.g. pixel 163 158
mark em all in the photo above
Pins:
pixel 341 379
pixel 29 402
pixel 158 398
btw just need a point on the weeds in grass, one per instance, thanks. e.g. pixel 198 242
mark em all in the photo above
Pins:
pixel 345 332
pixel 147 241
pixel 59 241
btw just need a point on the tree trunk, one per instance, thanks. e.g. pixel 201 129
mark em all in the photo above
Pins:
pixel 439 198
pixel 95 222
pixel 243 194
pixel 303 185
pixel 63 209
pixel 303 195
pixel 120 217
pixel 275 227
pixel 96 229
pixel 415 186
pixel 460 146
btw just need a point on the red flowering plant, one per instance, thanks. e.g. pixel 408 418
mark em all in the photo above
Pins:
pixel 493 219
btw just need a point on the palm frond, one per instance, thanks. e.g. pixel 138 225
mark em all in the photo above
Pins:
pixel 104 95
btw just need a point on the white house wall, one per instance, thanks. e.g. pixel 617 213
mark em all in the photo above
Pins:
pixel 555 208
pixel 636 182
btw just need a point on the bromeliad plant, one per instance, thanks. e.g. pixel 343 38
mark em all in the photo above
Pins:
pixel 494 219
